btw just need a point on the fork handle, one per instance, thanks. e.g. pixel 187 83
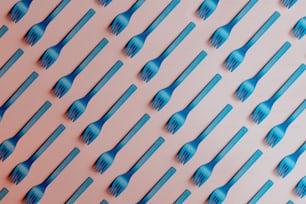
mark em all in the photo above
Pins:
pixel 77 27
pixel 161 16
pixel 262 30
pixel 242 13
pixel 68 159
pixel 289 82
pixel 300 150
pixel 211 84
pixel 296 113
pixel 56 11
pixel 177 41
pixel 80 190
pixel 135 6
pixel 146 155
pixel 31 78
pixel 272 61
pixel 261 192
pixel 104 80
pixel 11 61
pixel 246 166
pixel 183 197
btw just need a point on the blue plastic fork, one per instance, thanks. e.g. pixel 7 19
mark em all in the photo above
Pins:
pixel 288 3
pixel 21 89
pixel 22 169
pixel 8 146
pixel 222 33
pixel 287 164
pixel 3 193
pixel 19 10
pixel 78 107
pixel 300 188
pixel 136 43
pixel 290 202
pixel 122 20
pixel 236 57
pixel 36 193
pixel 93 130
pixel 161 182
pixel 52 53
pixel 121 182
pixel 188 150
pixel 219 194
pixel 11 61
pixel 3 30
pixel 79 191
pixel 207 8
pixel 104 202
pixel 178 119
pixel 277 133
pixel 247 87
pixel 105 3
pixel 64 84
pixel 37 31
pixel 299 29
pixel 263 190
pixel 182 197
pixel 106 159
pixel 152 67
pixel 263 109
pixel 162 97
pixel 203 173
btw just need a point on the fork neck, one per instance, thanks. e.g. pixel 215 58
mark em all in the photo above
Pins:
pixel 55 12
pixel 300 150
pixel 296 113
pixel 27 2
pixel 135 6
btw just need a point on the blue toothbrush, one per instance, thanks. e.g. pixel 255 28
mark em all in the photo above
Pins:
pixel 261 192
pixel 8 146
pixel 188 150
pixel 80 190
pixel 93 130
pixel 152 67
pixel 161 182
pixel 182 197
pixel 3 193
pixel 178 119
pixel 51 54
pixel 22 169
pixel 21 89
pixel 3 30
pixel 10 62
pixel 236 57
pixel 36 193
pixel 78 107
pixel 136 43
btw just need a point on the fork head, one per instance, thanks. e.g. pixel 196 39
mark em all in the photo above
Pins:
pixel 76 109
pixel 217 196
pixel 104 161
pixel 186 152
pixel 207 8
pixel 161 98
pixel 35 194
pixel 234 59
pixel 49 57
pixel 7 148
pixel 90 133
pixel 34 34
pixel 299 30
pixel 119 184
pixel 245 89
pixel 275 135
pixel 150 69
pixel 261 111
pixel 134 45
pixel 18 11
pixel 220 36
pixel 286 165
pixel 119 23
pixel 105 2
pixel 288 3
pixel 20 172
pixel 202 174
pixel 176 121
pixel 300 188
pixel 62 86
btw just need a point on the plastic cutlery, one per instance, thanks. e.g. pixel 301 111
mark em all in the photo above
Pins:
pixel 136 43
pixel 121 182
pixel 37 31
pixel 247 87
pixel 63 85
pixel 10 62
pixel 219 194
pixel 106 159
pixel 21 89
pixel 78 107
pixel 277 133
pixel 236 57
pixel 93 130
pixel 3 30
pixel 207 8
pixel 203 173
pixel 79 191
pixel 299 29
pixel 105 2
pixel 36 193
pixel 222 33
pixel 122 20
pixel 8 146
pixel 288 3
pixel 290 202
pixel 152 67
pixel 3 193
pixel 178 119
pixel 261 192
pixel 104 202
pixel 22 169
pixel 300 188
pixel 183 197
pixel 162 97
pixel 161 182
pixel 51 54
pixel 19 10
pixel 287 164
pixel 263 109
